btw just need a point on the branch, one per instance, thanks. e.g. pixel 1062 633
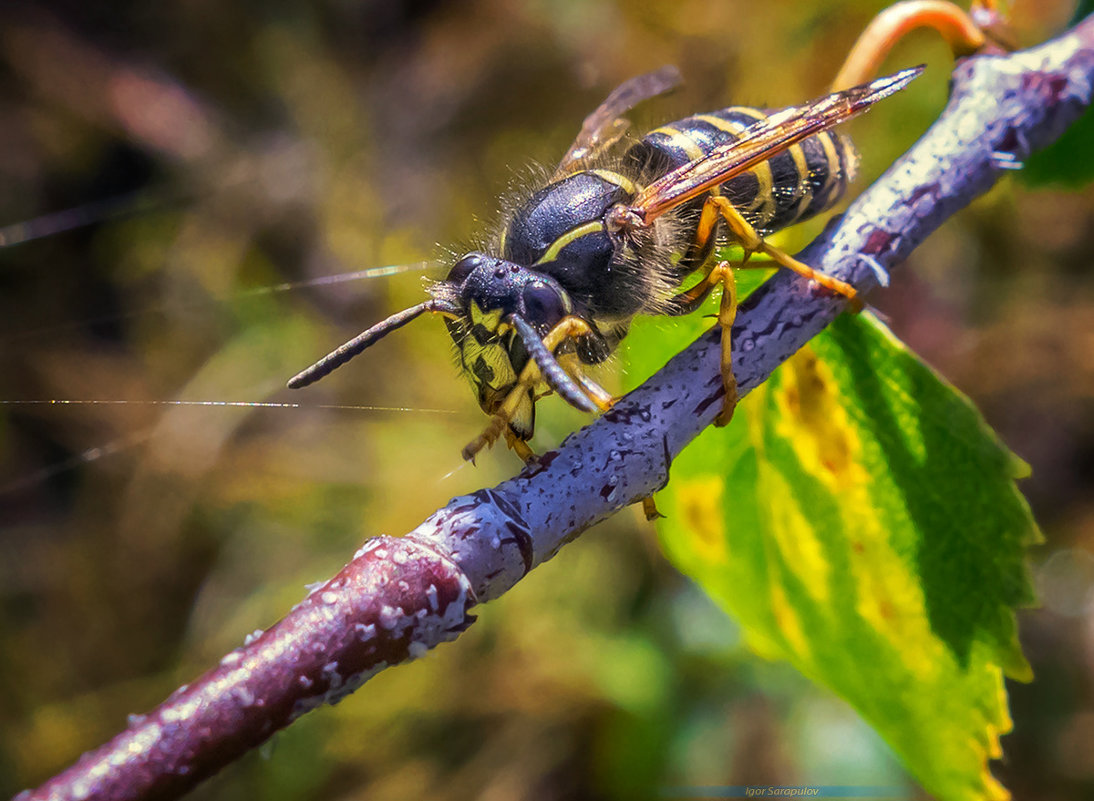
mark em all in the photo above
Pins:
pixel 400 597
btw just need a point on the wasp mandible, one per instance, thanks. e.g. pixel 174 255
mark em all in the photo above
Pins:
pixel 611 237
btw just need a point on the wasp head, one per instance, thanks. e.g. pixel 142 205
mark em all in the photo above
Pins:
pixel 489 292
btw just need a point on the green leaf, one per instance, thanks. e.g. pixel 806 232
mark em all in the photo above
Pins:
pixel 1069 161
pixel 861 521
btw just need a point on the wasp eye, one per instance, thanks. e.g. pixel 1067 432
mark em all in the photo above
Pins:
pixel 463 268
pixel 544 305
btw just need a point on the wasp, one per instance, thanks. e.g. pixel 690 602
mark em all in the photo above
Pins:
pixel 613 236
pixel 610 238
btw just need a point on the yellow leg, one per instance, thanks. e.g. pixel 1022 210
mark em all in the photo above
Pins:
pixel 966 33
pixel 603 399
pixel 721 273
pixel 752 242
pixel 522 448
pixel 689 300
pixel 649 508
pixel 499 420
pixel 566 328
pixel 727 313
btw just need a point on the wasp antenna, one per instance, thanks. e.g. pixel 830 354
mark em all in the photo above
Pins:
pixel 556 377
pixel 336 358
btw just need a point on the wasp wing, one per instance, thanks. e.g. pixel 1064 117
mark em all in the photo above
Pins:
pixel 757 143
pixel 605 126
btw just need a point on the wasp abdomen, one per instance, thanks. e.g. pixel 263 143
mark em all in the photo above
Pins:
pixel 801 181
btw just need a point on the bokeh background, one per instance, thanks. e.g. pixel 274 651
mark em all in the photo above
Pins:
pixel 167 169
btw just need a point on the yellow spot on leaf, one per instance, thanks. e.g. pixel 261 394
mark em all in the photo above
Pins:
pixel 786 618
pixel 888 597
pixel 815 422
pixel 700 504
pixel 795 537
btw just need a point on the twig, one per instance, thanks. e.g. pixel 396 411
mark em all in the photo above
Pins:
pixel 400 597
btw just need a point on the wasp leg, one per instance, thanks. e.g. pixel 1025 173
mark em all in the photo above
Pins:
pixel 752 242
pixel 603 399
pixel 499 421
pixel 721 273
pixel 520 447
pixel 727 313
pixel 965 33
pixel 568 328
pixel 649 508
pixel 531 375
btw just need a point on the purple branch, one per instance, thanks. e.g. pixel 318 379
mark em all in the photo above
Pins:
pixel 398 598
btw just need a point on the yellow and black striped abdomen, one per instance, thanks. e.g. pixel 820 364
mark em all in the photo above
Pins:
pixel 797 183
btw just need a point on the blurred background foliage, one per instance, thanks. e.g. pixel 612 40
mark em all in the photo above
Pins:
pixel 166 167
